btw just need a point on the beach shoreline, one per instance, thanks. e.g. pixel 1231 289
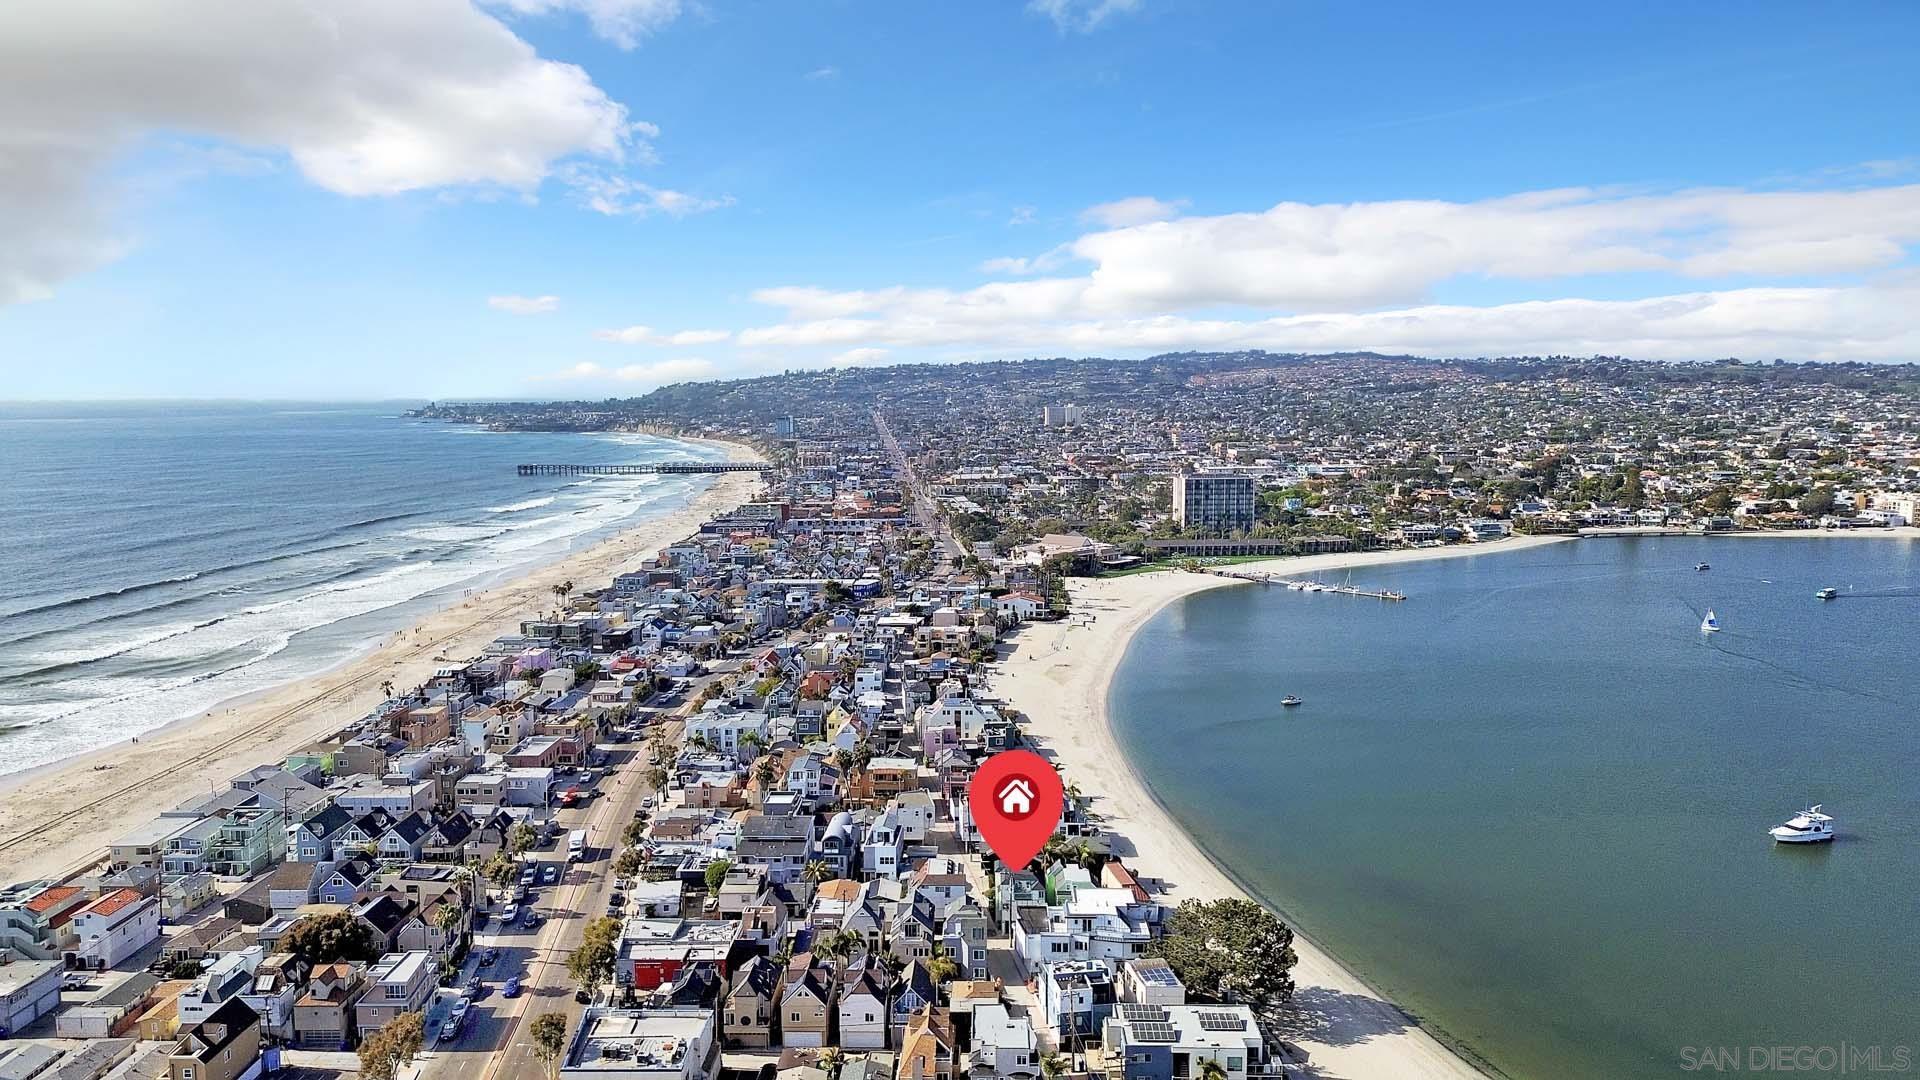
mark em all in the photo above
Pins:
pixel 1347 1028
pixel 56 819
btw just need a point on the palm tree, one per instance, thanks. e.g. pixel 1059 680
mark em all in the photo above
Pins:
pixel 1212 1070
pixel 817 871
pixel 1053 1065
pixel 766 772
pixel 831 1059
pixel 386 689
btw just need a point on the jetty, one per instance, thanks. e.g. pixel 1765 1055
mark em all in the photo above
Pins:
pixel 1303 585
pixel 644 467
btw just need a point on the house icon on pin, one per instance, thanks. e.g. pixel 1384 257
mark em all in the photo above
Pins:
pixel 1015 798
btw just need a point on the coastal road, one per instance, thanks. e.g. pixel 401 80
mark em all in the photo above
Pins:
pixel 495 1045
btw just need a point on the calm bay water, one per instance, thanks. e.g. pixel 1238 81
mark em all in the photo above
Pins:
pixel 1530 803
pixel 156 558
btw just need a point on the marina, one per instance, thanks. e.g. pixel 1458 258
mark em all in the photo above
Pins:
pixel 1305 585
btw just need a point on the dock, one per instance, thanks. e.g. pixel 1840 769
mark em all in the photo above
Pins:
pixel 642 468
pixel 1302 585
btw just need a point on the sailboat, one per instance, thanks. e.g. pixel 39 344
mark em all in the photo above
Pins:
pixel 1709 625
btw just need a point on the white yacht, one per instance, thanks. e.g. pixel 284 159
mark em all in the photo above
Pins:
pixel 1709 625
pixel 1827 594
pixel 1809 826
pixel 1289 701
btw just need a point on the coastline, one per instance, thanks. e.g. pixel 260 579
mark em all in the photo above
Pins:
pixel 57 818
pixel 1347 1028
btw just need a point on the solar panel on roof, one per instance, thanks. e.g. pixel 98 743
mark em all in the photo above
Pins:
pixel 1157 974
pixel 1152 1031
pixel 1222 1021
pixel 1133 1010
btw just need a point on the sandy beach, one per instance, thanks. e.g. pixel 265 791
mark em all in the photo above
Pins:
pixel 57 819
pixel 1059 673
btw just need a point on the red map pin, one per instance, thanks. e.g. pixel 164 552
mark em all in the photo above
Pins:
pixel 1015 799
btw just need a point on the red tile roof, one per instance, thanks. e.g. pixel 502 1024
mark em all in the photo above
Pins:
pixel 114 901
pixel 51 898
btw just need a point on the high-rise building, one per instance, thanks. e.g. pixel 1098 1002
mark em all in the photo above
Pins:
pixel 1062 415
pixel 1217 502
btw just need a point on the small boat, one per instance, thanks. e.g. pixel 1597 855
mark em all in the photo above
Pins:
pixel 1827 594
pixel 1709 625
pixel 1289 701
pixel 1809 826
pixel 1701 566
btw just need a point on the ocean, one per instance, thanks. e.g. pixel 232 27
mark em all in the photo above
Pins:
pixel 156 558
pixel 1530 804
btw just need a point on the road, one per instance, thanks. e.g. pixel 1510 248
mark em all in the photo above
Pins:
pixel 923 508
pixel 495 1044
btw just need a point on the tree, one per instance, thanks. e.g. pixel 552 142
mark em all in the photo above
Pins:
pixel 446 917
pixel 549 1034
pixel 635 831
pixel 766 771
pixel 941 966
pixel 836 594
pixel 1232 950
pixel 500 870
pixel 817 871
pixel 395 1044
pixel 326 939
pixel 831 1059
pixel 655 777
pixel 591 963
pixel 1053 1065
pixel 716 873
pixel 520 838
pixel 1818 502
pixel 1718 501
pixel 627 863
pixel 1212 1070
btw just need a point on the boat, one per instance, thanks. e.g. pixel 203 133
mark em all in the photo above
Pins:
pixel 1709 625
pixel 1701 566
pixel 1809 826
pixel 1289 701
pixel 1827 594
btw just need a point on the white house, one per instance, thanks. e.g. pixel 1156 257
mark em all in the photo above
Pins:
pixel 113 928
pixel 1020 605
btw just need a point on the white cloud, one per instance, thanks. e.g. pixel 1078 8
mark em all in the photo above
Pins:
pixel 658 373
pixel 1358 276
pixel 1081 15
pixel 1138 210
pixel 1022 215
pixel 366 97
pixel 524 305
pixel 828 72
pixel 623 22
pixel 647 335
pixel 1842 323
pixel 616 195
pixel 858 357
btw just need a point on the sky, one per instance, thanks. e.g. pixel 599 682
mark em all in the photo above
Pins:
pixel 328 199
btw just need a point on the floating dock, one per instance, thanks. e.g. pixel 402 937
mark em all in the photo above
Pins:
pixel 1302 585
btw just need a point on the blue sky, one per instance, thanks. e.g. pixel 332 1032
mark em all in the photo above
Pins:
pixel 257 214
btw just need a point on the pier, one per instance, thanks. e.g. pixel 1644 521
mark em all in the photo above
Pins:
pixel 643 468
pixel 1302 585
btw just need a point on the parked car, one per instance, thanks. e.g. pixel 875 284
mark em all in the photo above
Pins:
pixel 512 989
pixel 550 874
pixel 474 987
pixel 511 915
pixel 617 900
pixel 527 873
pixel 529 919
pixel 489 957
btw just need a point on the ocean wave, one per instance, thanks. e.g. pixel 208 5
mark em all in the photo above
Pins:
pixel 513 508
pixel 107 594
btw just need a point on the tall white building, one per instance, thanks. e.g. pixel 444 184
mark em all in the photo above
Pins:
pixel 1062 415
